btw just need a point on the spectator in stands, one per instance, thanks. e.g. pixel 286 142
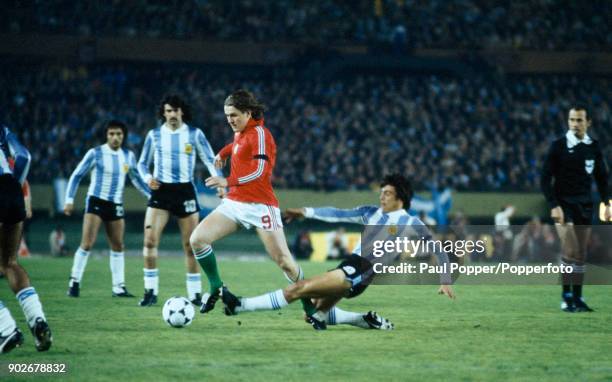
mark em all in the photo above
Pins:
pixel 302 246
pixel 57 242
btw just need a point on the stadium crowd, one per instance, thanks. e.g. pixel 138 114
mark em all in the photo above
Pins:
pixel 479 133
pixel 538 24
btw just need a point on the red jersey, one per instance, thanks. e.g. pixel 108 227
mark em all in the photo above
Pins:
pixel 253 155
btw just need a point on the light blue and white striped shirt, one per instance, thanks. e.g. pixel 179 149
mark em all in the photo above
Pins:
pixel 173 154
pixel 374 216
pixel 11 147
pixel 108 169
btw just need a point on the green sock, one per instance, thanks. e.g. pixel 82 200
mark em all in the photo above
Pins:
pixel 308 306
pixel 208 262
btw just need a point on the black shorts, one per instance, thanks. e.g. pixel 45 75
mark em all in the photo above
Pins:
pixel 107 211
pixel 179 199
pixel 359 272
pixel 577 213
pixel 12 205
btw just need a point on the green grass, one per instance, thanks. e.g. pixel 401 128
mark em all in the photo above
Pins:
pixel 488 333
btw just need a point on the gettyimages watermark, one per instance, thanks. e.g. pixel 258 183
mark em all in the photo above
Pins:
pixel 523 254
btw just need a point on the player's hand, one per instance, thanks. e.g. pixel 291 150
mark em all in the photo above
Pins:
pixel 293 213
pixel 219 163
pixel 154 184
pixel 221 192
pixel 447 290
pixel 557 215
pixel 68 208
pixel 608 213
pixel 216 181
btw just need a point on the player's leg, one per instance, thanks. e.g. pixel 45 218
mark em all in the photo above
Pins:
pixel 214 227
pixel 10 336
pixel 275 244
pixel 19 282
pixel 329 284
pixel 583 236
pixel 187 225
pixel 154 224
pixel 115 230
pixel 569 250
pixel 332 315
pixel 91 225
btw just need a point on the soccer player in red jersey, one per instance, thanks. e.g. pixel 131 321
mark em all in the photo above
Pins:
pixel 250 201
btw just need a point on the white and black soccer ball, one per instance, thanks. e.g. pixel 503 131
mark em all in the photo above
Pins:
pixel 178 312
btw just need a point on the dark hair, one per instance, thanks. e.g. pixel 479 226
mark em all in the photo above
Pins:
pixel 402 186
pixel 116 124
pixel 579 107
pixel 176 102
pixel 244 101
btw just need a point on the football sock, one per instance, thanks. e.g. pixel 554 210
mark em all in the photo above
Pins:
pixel 117 267
pixel 194 285
pixel 151 279
pixel 578 279
pixel 566 279
pixel 337 316
pixel 269 301
pixel 30 304
pixel 78 264
pixel 7 323
pixel 206 258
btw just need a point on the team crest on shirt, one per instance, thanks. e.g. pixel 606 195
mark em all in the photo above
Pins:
pixel 126 168
pixel 392 230
pixel 589 165
pixel 188 148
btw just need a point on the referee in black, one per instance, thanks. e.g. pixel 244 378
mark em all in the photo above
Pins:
pixel 569 168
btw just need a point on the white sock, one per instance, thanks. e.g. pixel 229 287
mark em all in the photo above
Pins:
pixel 7 323
pixel 117 267
pixel 194 285
pixel 299 277
pixel 30 304
pixel 151 279
pixel 269 301
pixel 337 316
pixel 79 263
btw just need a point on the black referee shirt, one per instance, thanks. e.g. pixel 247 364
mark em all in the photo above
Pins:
pixel 569 169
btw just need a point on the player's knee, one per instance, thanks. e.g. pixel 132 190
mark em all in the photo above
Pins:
pixel 197 241
pixel 150 242
pixel 8 263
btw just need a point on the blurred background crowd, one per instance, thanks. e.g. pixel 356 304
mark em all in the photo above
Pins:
pixel 480 133
pixel 471 24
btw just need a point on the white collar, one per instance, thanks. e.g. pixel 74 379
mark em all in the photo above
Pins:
pixel 165 126
pixel 107 148
pixel 572 139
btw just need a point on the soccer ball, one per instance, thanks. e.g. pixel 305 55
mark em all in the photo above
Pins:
pixel 178 312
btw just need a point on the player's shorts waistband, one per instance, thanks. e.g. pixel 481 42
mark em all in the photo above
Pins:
pixel 174 186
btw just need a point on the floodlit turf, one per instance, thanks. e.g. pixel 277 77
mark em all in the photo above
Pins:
pixel 488 333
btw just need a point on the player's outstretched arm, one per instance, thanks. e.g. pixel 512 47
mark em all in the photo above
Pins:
pixel 358 215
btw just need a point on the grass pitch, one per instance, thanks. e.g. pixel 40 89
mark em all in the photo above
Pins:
pixel 488 333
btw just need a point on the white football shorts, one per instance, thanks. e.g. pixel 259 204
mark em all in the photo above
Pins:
pixel 251 215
